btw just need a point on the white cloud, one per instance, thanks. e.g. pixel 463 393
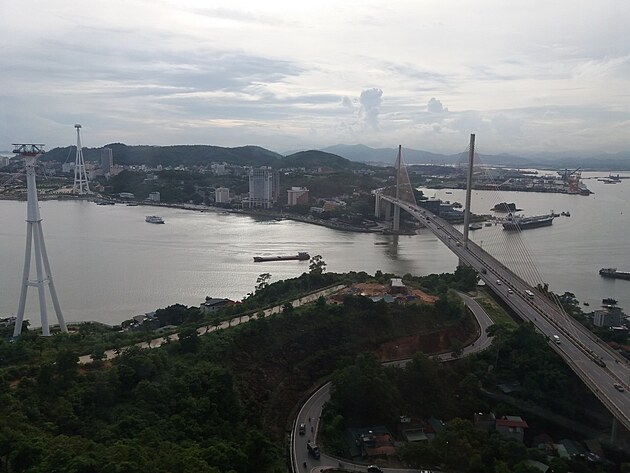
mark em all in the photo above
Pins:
pixel 167 71
pixel 370 100
pixel 435 106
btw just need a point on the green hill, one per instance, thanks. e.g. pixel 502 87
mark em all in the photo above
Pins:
pixel 318 159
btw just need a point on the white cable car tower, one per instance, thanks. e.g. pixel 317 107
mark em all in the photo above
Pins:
pixel 34 233
pixel 81 184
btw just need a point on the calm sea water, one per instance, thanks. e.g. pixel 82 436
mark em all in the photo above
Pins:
pixel 109 264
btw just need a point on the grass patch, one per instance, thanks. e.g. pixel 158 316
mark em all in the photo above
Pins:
pixel 494 310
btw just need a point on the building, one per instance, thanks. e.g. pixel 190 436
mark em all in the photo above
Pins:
pixel 264 184
pixel 107 160
pixel 212 304
pixel 610 316
pixel 218 169
pixel 222 195
pixel 297 196
pixel 67 167
pixel 154 196
pixel 511 426
pixel 4 161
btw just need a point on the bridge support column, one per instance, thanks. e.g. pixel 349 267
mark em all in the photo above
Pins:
pixel 471 156
pixel 377 205
pixel 614 431
pixel 388 210
pixel 396 223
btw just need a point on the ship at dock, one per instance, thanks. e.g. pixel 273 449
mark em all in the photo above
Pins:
pixel 515 222
pixel 614 274
pixel 301 256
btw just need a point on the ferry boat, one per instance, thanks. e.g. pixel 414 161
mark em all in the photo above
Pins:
pixel 153 219
pixel 301 256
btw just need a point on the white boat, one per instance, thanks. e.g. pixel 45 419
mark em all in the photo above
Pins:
pixel 154 219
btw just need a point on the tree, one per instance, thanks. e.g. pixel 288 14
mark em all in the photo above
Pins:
pixel 317 265
pixel 262 281
pixel 189 340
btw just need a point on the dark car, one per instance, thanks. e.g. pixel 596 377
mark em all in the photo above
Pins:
pixel 619 387
pixel 302 429
pixel 374 469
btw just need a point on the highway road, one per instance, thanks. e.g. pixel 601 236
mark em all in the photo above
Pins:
pixel 311 410
pixel 599 367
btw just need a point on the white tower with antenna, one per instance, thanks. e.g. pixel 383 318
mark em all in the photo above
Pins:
pixel 34 234
pixel 81 183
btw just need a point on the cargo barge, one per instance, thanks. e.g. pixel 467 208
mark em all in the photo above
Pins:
pixel 301 256
pixel 613 273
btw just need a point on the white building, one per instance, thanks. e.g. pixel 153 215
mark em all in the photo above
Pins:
pixel 218 169
pixel 608 317
pixel 67 167
pixel 297 196
pixel 154 196
pixel 4 161
pixel 222 195
pixel 264 184
pixel 107 160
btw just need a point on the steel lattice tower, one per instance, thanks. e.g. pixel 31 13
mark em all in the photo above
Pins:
pixel 34 234
pixel 81 183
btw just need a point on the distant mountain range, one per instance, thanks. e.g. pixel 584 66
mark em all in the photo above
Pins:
pixel 190 155
pixel 335 157
pixel 362 153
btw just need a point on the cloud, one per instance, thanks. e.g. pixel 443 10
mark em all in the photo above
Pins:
pixel 435 106
pixel 370 101
pixel 346 102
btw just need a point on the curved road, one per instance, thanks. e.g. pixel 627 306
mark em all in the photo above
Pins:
pixel 310 412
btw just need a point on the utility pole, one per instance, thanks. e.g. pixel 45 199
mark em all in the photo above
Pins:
pixel 34 234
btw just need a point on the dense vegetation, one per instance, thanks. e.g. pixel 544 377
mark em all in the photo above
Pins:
pixel 215 403
pixel 367 393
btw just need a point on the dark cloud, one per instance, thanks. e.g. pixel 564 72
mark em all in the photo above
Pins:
pixel 370 101
pixel 435 106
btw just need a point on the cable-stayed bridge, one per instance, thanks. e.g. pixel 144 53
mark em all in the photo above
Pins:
pixel 602 369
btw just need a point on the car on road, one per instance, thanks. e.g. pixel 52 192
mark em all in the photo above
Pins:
pixel 619 387
pixel 484 270
pixel 556 339
pixel 510 291
pixel 374 469
pixel 302 429
pixel 498 282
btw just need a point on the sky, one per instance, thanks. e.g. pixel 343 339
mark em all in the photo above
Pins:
pixel 526 76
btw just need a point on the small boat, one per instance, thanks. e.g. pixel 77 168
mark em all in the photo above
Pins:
pixel 488 224
pixel 301 256
pixel 609 301
pixel 586 304
pixel 475 226
pixel 153 219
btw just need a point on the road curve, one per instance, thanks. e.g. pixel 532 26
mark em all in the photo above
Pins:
pixel 310 412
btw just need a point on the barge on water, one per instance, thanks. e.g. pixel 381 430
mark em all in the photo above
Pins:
pixel 301 256
pixel 613 273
